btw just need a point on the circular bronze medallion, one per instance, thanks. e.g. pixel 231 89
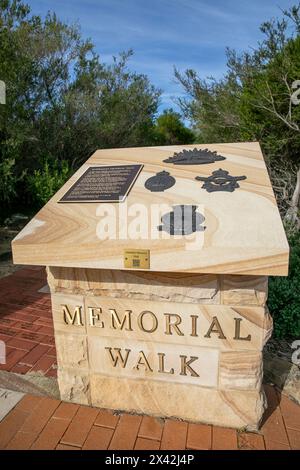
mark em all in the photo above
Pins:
pixel 160 182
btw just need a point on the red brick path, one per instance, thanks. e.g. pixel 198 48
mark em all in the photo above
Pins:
pixel 26 324
pixel 45 423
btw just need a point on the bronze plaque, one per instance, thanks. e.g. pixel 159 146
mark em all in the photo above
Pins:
pixel 137 259
pixel 103 184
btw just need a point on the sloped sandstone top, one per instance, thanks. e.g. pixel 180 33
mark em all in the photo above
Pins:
pixel 243 235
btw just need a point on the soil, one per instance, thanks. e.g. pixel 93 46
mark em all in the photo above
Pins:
pixel 282 348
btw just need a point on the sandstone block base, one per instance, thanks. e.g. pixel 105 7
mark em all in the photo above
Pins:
pixel 184 346
pixel 232 408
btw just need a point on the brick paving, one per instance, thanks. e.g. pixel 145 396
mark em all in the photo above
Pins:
pixel 45 423
pixel 26 324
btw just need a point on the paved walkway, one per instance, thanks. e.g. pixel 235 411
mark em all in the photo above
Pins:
pixel 45 423
pixel 26 324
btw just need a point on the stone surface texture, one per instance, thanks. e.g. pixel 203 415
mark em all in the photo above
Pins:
pixel 124 341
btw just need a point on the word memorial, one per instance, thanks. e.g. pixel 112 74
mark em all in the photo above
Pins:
pixel 163 326
pixel 172 322
pixel 156 359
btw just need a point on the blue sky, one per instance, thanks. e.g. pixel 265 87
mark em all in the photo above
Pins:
pixel 164 33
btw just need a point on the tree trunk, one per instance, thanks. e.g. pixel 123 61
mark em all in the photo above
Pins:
pixel 292 213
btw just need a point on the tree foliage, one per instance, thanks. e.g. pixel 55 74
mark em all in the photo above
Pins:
pixel 284 296
pixel 169 129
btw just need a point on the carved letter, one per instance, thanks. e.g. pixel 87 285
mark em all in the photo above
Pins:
pixel 141 324
pixel 142 361
pixel 118 358
pixel 237 334
pixel 174 325
pixel 117 323
pixel 161 362
pixel 94 314
pixel 215 327
pixel 75 319
pixel 186 365
pixel 194 325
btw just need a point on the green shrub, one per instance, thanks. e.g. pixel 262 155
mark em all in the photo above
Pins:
pixel 44 183
pixel 8 180
pixel 284 296
pixel 10 175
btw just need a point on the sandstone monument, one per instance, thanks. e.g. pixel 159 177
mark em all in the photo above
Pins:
pixel 158 261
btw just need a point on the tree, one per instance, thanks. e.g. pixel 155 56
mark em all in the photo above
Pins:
pixel 62 102
pixel 254 102
pixel 170 130
pixel 212 106
pixel 104 107
pixel 36 58
pixel 270 115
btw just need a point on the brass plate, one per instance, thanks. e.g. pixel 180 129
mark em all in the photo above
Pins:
pixel 137 259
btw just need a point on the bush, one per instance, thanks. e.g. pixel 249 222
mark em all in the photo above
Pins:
pixel 44 183
pixel 170 130
pixel 8 180
pixel 284 296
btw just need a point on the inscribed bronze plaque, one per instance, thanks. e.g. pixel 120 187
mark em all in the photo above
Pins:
pixel 103 184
